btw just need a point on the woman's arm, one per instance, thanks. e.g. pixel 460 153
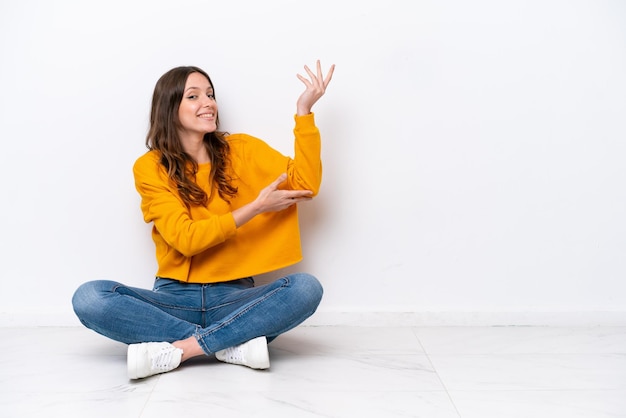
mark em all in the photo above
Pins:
pixel 304 171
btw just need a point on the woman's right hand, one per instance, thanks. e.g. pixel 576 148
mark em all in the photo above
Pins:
pixel 271 199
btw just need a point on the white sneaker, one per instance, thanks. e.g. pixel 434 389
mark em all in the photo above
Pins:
pixel 147 359
pixel 253 354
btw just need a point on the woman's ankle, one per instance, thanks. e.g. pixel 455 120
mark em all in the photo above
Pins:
pixel 190 346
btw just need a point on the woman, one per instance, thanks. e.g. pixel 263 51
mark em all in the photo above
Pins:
pixel 223 209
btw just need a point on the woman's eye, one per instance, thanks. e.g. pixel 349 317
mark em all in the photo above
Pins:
pixel 211 96
pixel 192 97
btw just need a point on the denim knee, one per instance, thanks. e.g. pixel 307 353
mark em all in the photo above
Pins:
pixel 86 298
pixel 309 289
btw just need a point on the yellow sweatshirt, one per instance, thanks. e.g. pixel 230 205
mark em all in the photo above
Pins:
pixel 202 244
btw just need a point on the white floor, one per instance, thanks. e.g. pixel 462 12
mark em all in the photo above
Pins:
pixel 482 372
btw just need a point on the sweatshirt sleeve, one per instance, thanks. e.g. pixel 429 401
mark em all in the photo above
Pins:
pixel 161 204
pixel 305 169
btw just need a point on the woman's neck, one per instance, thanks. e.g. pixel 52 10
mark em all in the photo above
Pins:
pixel 194 146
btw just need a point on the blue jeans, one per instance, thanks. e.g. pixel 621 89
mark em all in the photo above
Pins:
pixel 218 315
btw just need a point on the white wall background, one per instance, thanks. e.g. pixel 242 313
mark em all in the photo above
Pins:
pixel 474 151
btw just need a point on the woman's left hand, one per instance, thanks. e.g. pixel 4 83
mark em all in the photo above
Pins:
pixel 315 88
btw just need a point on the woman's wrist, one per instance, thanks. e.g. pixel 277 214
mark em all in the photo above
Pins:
pixel 245 213
pixel 303 111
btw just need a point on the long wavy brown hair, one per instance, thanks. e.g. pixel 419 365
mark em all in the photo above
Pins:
pixel 163 137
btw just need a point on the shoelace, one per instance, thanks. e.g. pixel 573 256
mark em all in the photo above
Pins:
pixel 163 360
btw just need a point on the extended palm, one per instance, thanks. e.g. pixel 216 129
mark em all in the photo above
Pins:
pixel 315 88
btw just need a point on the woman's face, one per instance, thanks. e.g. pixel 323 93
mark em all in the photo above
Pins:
pixel 197 112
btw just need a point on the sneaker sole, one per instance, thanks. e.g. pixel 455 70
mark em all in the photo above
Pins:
pixel 131 361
